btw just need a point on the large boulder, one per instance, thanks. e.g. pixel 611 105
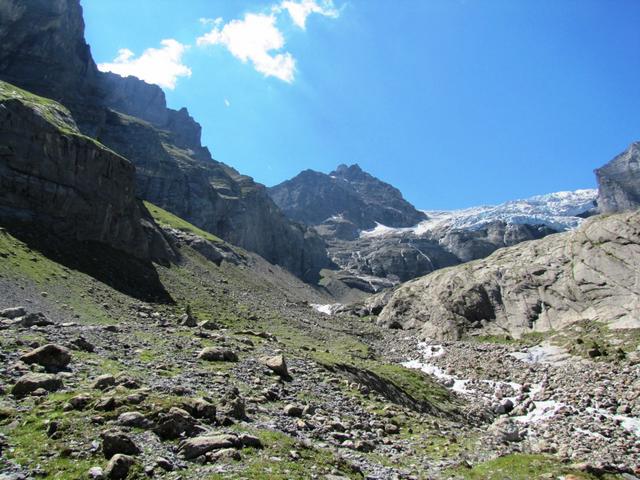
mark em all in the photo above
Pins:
pixel 31 382
pixel 50 356
pixel 194 447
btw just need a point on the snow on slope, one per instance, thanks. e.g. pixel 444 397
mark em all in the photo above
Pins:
pixel 558 210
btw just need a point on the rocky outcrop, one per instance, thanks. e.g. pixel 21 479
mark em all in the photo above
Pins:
pixel 619 182
pixel 42 48
pixel 587 274
pixel 349 194
pixel 56 178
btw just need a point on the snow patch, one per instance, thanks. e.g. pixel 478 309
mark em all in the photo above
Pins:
pixel 327 309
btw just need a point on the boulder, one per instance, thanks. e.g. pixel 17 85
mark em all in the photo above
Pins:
pixel 35 320
pixel 118 467
pixel 277 364
pixel 103 382
pixel 12 313
pixel 218 354
pixel 32 382
pixel 176 423
pixel 116 441
pixel 50 356
pixel 194 447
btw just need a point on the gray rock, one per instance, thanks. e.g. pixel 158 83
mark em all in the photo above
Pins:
pixel 619 182
pixel 104 382
pixel 218 354
pixel 31 382
pixel 277 364
pixel 586 274
pixel 50 356
pixel 194 447
pixel 176 423
pixel 118 467
pixel 292 410
pixel 35 320
pixel 12 313
pixel 133 419
pixel 115 441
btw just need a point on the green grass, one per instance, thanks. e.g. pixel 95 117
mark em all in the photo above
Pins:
pixel 258 464
pixel 522 467
pixel 32 448
pixel 170 220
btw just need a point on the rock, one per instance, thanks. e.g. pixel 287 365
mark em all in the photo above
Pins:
pixel 175 424
pixel 277 364
pixel 224 454
pixel 194 447
pixel 50 356
pixel 79 402
pixel 118 467
pixel 506 430
pixel 250 441
pixel 165 464
pixel 12 313
pixel 96 473
pixel 200 408
pixel 312 197
pixel 232 405
pixel 115 441
pixel 292 411
pixel 71 185
pixel 103 382
pixel 619 182
pixel 31 382
pixel 218 354
pixel 133 419
pixel 209 325
pixel 35 320
pixel 569 277
pixel 82 344
pixel 187 320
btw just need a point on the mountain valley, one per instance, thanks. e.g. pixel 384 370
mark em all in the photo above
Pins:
pixel 164 316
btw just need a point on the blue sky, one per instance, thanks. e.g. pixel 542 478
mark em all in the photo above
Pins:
pixel 455 102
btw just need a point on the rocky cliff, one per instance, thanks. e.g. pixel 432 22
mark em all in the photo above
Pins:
pixel 619 182
pixel 42 48
pixel 587 274
pixel 348 194
pixel 53 176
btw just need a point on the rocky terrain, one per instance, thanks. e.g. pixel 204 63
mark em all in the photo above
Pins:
pixel 223 370
pixel 43 51
pixel 587 274
pixel 172 336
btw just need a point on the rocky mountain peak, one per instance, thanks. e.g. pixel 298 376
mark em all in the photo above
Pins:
pixel 619 182
pixel 348 193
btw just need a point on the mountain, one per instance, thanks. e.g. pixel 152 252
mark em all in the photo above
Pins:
pixel 619 181
pixel 70 185
pixel 43 50
pixel 348 195
pixel 586 274
pixel 387 256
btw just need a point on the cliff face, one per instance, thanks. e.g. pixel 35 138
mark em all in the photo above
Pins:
pixel 42 48
pixel 76 188
pixel 587 274
pixel 619 182
pixel 349 193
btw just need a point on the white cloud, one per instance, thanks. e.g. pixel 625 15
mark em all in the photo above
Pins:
pixel 299 11
pixel 255 38
pixel 227 103
pixel 162 66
